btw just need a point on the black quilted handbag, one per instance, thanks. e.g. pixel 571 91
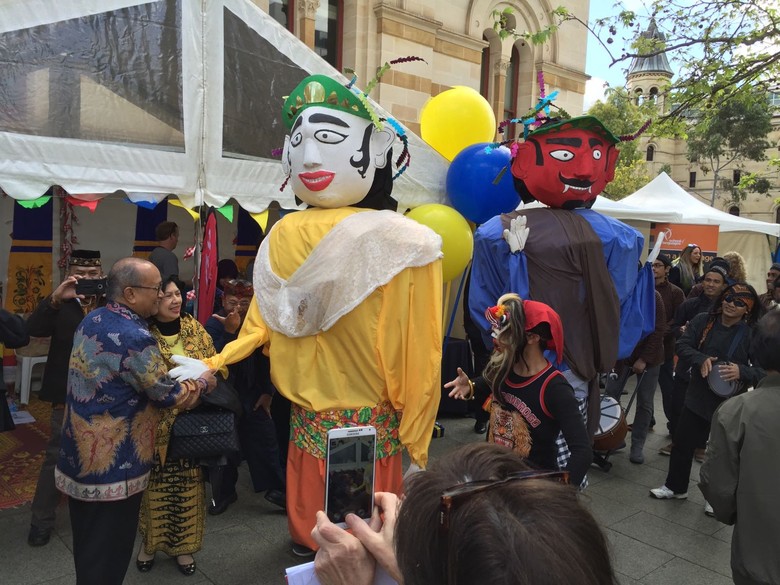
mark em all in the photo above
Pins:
pixel 202 433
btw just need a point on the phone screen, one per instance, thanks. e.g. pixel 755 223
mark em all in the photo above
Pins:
pixel 350 479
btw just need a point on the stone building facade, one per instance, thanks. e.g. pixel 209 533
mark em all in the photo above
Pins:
pixel 457 41
pixel 647 78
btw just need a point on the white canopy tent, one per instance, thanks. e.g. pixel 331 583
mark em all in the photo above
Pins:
pixel 631 213
pixel 159 97
pixel 749 237
pixel 621 211
pixel 662 193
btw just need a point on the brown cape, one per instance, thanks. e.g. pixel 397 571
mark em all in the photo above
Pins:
pixel 567 270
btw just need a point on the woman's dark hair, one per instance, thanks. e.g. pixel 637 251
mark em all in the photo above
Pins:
pixel 172 279
pixel 180 285
pixel 765 345
pixel 716 310
pixel 543 331
pixel 512 341
pixel 526 532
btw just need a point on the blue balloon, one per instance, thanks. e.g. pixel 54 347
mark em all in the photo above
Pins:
pixel 472 184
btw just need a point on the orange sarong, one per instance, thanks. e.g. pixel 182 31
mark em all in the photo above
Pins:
pixel 306 489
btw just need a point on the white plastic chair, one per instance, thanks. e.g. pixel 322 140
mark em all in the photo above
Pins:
pixel 24 368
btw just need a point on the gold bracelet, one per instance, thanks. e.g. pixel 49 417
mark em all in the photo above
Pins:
pixel 471 386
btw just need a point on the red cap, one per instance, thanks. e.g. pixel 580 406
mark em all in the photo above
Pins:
pixel 535 313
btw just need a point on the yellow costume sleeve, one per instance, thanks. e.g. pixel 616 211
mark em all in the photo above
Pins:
pixel 253 334
pixel 410 349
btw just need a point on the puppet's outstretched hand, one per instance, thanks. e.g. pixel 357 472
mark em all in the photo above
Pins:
pixel 188 368
pixel 517 234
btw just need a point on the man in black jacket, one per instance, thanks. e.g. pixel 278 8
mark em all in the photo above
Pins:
pixel 58 316
pixel 257 430
pixel 714 283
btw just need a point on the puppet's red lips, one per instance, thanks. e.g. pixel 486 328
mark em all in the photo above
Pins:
pixel 316 181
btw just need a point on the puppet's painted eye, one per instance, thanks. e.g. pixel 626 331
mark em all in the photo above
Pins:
pixel 597 154
pixel 296 139
pixel 329 136
pixel 564 155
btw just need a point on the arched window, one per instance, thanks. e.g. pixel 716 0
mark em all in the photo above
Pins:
pixel 734 210
pixel 283 12
pixel 328 27
pixel 638 95
pixel 653 93
pixel 777 215
pixel 650 153
pixel 484 72
pixel 510 91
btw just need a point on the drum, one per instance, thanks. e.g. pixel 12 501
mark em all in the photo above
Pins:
pixel 612 426
pixel 718 385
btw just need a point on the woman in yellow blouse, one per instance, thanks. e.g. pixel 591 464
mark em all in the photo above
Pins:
pixel 174 505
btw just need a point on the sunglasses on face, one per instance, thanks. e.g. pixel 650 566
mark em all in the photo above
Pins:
pixel 734 300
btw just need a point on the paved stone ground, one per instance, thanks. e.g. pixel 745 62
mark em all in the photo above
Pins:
pixel 653 542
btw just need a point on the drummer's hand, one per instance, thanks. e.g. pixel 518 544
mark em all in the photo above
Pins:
pixel 729 372
pixel 639 366
pixel 706 367
pixel 461 389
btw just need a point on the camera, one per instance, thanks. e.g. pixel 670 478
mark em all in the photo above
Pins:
pixel 92 286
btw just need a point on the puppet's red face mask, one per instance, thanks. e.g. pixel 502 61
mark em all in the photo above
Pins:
pixel 566 168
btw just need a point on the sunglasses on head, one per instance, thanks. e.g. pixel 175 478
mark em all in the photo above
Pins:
pixel 735 300
pixel 453 497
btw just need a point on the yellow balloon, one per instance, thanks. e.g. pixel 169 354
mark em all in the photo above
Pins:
pixel 457 239
pixel 455 119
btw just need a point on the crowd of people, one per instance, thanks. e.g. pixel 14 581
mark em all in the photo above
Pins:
pixel 363 346
pixel 717 328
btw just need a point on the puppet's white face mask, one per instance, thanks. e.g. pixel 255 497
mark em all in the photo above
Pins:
pixel 332 156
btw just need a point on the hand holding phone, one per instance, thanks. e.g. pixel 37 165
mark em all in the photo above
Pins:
pixel 91 286
pixel 349 475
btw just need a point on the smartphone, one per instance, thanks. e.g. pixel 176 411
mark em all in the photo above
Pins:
pixel 91 286
pixel 349 473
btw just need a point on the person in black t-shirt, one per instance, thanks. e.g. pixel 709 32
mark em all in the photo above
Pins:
pixel 530 401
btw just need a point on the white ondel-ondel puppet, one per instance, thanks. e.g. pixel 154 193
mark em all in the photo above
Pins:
pixel 348 298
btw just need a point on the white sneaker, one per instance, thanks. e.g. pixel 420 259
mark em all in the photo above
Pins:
pixel 664 493
pixel 708 510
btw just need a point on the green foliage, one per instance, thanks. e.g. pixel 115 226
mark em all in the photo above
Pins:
pixel 502 20
pixel 629 177
pixel 623 117
pixel 748 183
pixel 719 48
pixel 735 131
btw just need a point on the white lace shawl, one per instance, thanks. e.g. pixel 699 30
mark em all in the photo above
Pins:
pixel 361 253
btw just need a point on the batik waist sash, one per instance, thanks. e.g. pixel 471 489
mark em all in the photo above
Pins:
pixel 309 429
